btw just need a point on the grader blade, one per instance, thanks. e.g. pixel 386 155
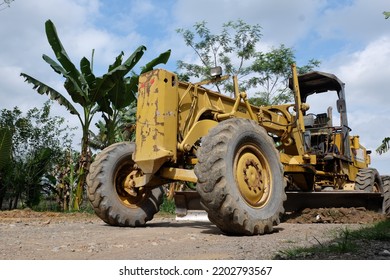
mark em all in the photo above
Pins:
pixel 301 200
pixel 188 205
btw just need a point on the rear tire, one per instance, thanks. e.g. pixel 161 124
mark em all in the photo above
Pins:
pixel 105 192
pixel 368 180
pixel 240 178
pixel 386 195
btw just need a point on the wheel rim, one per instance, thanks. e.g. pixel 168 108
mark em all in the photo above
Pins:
pixel 128 200
pixel 253 176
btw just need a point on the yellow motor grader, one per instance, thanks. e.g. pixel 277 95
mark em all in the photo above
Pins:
pixel 244 165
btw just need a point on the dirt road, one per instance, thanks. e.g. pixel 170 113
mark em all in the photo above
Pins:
pixel 33 235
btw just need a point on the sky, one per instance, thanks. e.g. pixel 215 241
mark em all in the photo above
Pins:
pixel 351 38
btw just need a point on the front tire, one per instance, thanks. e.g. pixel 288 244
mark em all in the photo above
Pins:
pixel 105 189
pixel 240 178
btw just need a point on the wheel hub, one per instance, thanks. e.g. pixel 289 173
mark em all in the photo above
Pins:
pixel 252 179
pixel 125 187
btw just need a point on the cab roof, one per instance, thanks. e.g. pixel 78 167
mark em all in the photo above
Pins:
pixel 317 82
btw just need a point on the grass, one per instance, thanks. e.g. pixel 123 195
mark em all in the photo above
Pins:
pixel 380 231
pixel 346 241
pixel 168 206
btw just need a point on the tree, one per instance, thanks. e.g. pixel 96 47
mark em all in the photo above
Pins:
pixel 105 94
pixel 271 72
pixel 235 50
pixel 232 49
pixel 38 145
pixel 123 130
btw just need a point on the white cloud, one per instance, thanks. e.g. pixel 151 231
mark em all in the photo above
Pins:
pixel 356 21
pixel 367 78
pixel 368 72
pixel 282 21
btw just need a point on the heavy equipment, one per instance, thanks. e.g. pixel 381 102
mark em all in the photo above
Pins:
pixel 244 165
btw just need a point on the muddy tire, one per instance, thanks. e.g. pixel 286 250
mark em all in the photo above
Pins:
pixel 113 205
pixel 368 180
pixel 240 178
pixel 386 195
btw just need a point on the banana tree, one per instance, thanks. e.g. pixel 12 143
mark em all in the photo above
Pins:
pixel 84 88
pixel 121 96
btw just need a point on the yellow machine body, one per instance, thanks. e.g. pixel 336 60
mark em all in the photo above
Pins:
pixel 244 165
pixel 172 117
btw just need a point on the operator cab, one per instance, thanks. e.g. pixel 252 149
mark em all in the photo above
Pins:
pixel 322 138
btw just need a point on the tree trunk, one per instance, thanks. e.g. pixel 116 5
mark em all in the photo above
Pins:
pixel 84 162
pixel 15 206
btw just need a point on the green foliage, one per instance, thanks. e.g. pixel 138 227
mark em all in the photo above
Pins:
pixel 80 86
pixel 107 94
pixel 92 93
pixel 271 73
pixel 38 145
pixel 36 168
pixel 120 97
pixel 122 128
pixel 235 50
pixel 5 147
pixel 54 95
pixel 387 14
pixel 232 49
pixel 168 206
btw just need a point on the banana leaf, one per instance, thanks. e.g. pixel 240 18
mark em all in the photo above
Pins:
pixel 5 146
pixel 119 97
pixel 76 93
pixel 86 70
pixel 123 93
pixel 117 62
pixel 113 81
pixel 161 59
pixel 131 84
pixel 61 55
pixel 118 73
pixel 42 88
pixel 97 90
